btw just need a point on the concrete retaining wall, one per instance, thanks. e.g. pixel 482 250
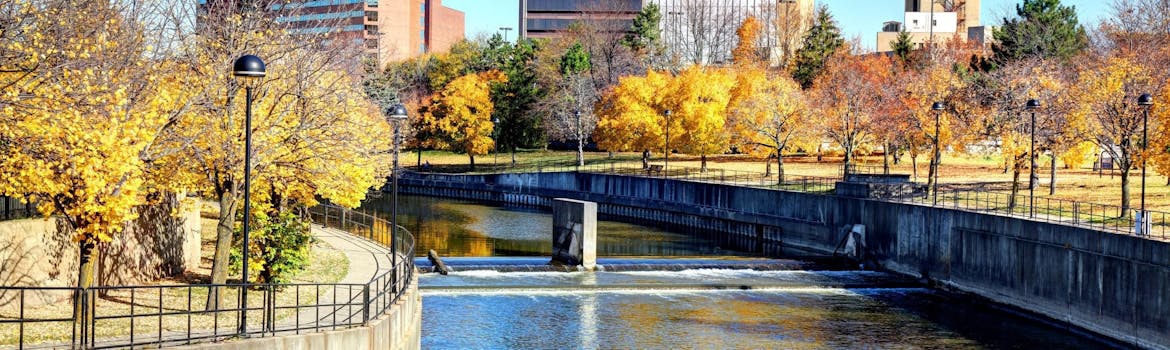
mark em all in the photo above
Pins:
pixel 1116 285
pixel 397 329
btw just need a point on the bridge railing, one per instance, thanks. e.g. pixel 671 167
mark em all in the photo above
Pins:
pixel 168 315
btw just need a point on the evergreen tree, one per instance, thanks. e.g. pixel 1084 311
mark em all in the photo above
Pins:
pixel 821 42
pixel 902 47
pixel 518 126
pixel 644 33
pixel 1043 28
pixel 575 60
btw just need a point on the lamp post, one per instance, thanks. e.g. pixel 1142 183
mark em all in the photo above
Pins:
pixel 1031 106
pixel 666 152
pixel 495 141
pixel 505 30
pixel 1145 101
pixel 247 67
pixel 937 107
pixel 396 114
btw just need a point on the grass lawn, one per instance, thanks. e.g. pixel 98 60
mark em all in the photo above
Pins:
pixel 175 295
pixel 962 172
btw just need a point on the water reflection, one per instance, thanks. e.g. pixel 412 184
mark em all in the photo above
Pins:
pixel 584 316
pixel 460 228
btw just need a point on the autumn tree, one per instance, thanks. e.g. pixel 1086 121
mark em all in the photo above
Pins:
pixel 846 99
pixel 1108 98
pixel 698 99
pixel 768 112
pixel 461 114
pixel 748 51
pixel 630 117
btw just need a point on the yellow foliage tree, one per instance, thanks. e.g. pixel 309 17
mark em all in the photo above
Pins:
pixel 631 117
pixel 461 114
pixel 698 98
pixel 747 51
pixel 767 113
pixel 934 83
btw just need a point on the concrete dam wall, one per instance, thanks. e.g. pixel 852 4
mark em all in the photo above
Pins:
pixel 1112 284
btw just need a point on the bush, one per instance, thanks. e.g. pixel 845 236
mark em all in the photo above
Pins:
pixel 283 244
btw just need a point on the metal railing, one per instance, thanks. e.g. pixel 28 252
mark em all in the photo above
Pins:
pixel 167 315
pixel 1097 216
pixel 14 208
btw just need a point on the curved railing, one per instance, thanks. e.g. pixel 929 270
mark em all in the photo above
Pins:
pixel 156 316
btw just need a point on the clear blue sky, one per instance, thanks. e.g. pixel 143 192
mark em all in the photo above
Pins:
pixel 856 17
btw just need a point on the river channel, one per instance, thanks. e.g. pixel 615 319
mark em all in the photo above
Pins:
pixel 699 308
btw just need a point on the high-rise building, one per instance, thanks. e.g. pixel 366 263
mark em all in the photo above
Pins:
pixel 939 23
pixel 703 31
pixel 550 18
pixel 389 29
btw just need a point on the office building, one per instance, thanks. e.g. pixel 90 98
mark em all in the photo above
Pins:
pixel 944 21
pixel 551 18
pixel 388 29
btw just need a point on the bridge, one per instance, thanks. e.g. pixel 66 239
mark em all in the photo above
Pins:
pixel 1086 276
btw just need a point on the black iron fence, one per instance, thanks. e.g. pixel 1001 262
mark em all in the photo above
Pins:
pixel 14 208
pixel 167 315
pixel 1104 217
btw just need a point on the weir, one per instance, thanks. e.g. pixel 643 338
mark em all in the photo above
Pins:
pixel 1111 284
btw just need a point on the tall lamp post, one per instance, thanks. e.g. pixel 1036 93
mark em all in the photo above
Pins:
pixel 496 141
pixel 1031 106
pixel 580 145
pixel 666 152
pixel 248 68
pixel 1145 101
pixel 505 30
pixel 396 114
pixel 938 108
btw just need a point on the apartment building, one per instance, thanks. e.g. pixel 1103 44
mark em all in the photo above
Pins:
pixel 550 18
pixel 935 21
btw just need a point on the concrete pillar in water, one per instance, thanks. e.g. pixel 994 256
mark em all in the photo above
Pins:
pixel 574 232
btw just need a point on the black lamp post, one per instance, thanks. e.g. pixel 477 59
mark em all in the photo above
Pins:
pixel 505 30
pixel 666 164
pixel 1031 106
pixel 247 67
pixel 1145 101
pixel 937 107
pixel 396 114
pixel 495 140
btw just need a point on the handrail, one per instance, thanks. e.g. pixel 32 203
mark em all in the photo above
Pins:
pixel 97 317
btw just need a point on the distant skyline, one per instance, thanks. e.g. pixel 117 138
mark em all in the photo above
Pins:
pixel 861 18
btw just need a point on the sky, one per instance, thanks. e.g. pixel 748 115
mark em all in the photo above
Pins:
pixel 856 17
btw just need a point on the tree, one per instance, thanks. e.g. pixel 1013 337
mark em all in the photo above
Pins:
pixel 464 57
pixel 630 117
pixel 846 99
pixel 698 99
pixel 903 47
pixel 573 99
pixel 645 37
pixel 1108 98
pixel 768 111
pixel 1043 29
pixel 462 114
pixel 820 43
pixel 748 51
pixel 516 97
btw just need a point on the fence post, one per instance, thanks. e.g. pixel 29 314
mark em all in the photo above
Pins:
pixel 366 304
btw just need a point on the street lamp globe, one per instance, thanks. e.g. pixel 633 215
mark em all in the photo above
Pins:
pixel 396 112
pixel 1032 105
pixel 248 66
pixel 938 106
pixel 1145 100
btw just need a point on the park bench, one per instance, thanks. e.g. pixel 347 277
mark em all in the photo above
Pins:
pixel 654 169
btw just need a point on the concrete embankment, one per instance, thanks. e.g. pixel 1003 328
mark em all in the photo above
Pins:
pixel 1115 285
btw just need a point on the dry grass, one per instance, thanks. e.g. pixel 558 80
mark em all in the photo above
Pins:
pixel 178 296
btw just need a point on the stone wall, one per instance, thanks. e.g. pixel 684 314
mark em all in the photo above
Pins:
pixel 40 253
pixel 1115 285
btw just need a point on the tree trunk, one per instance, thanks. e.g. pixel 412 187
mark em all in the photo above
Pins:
pixel 780 168
pixel 848 160
pixel 1015 185
pixel 471 158
pixel 886 159
pixel 703 165
pixel 418 163
pixel 580 153
pixel 932 174
pixel 645 159
pixel 86 254
pixel 513 156
pixel 914 165
pixel 223 246
pixel 1052 177
pixel 610 155
pixel 820 155
pixel 1124 190
pixel 768 166
pixel 897 156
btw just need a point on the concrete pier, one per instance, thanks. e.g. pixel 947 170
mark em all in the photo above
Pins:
pixel 574 233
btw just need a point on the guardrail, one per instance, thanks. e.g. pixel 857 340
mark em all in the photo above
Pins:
pixel 156 316
pixel 1098 216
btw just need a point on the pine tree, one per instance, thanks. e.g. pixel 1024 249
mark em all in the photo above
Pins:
pixel 644 32
pixel 902 46
pixel 821 42
pixel 1044 28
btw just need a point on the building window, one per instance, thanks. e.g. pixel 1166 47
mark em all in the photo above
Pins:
pixel 372 16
